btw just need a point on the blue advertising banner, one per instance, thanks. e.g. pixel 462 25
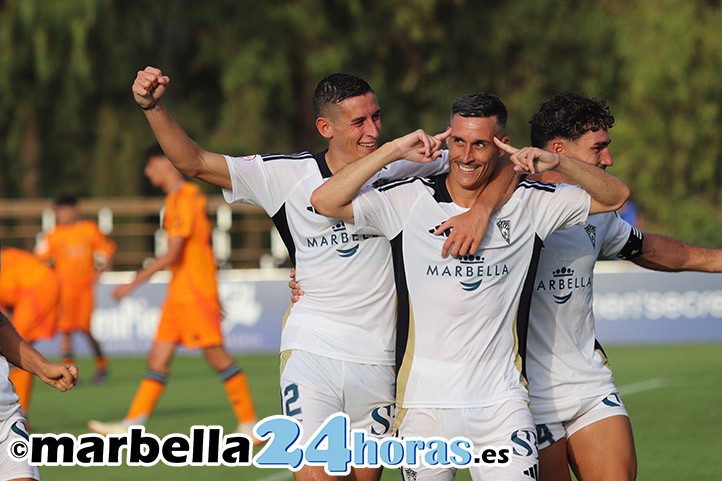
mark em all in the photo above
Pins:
pixel 632 305
pixel 254 305
pixel 645 307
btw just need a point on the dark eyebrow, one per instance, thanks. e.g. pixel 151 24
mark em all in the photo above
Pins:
pixel 603 143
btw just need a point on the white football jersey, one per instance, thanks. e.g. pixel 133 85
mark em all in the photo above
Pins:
pixel 348 311
pixel 462 321
pixel 8 398
pixel 565 362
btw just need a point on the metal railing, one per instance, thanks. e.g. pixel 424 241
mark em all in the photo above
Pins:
pixel 243 235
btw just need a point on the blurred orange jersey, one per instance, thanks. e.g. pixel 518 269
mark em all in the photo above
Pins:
pixel 73 249
pixel 194 275
pixel 31 290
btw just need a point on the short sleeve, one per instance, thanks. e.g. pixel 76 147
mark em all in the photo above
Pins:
pixel 617 232
pixel 556 206
pixel 385 210
pixel 178 218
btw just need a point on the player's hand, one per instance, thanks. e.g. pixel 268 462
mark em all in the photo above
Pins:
pixel 122 291
pixel 296 291
pixel 149 86
pixel 529 159
pixel 464 233
pixel 61 377
pixel 418 146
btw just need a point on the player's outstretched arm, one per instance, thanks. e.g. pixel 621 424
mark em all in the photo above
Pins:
pixel 148 88
pixel 662 253
pixel 26 357
pixel 333 198
pixel 607 191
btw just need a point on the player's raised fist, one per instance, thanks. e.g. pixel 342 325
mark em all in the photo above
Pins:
pixel 149 86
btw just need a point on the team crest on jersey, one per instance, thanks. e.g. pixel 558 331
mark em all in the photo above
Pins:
pixel 504 226
pixel 591 231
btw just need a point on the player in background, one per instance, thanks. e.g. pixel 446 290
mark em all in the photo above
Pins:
pixel 13 425
pixel 29 294
pixel 337 344
pixel 581 420
pixel 191 313
pixel 78 252
pixel 462 369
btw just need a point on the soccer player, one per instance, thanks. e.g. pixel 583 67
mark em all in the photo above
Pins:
pixel 462 367
pixel 31 290
pixel 13 425
pixel 337 344
pixel 191 314
pixel 581 420
pixel 75 247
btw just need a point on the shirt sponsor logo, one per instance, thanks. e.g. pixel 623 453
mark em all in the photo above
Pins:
pixel 565 283
pixel 341 239
pixel 473 268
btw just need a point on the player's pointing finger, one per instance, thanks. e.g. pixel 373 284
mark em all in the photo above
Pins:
pixel 505 147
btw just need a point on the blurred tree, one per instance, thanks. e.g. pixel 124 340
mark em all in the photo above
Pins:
pixel 243 76
pixel 669 111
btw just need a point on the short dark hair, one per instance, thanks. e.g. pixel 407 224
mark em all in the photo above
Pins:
pixel 154 150
pixel 481 105
pixel 568 115
pixel 69 200
pixel 336 88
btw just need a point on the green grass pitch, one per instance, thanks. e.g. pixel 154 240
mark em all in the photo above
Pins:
pixel 673 394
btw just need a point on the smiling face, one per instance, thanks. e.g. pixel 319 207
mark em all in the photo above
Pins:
pixel 472 154
pixel 352 128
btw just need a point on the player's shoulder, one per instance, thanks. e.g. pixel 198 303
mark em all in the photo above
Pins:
pixel 86 225
pixel 294 157
pixel 414 182
pixel 191 190
pixel 527 184
pixel 297 158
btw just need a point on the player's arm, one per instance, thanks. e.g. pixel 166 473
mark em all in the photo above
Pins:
pixel 148 88
pixel 172 256
pixel 26 357
pixel 468 229
pixel 333 198
pixel 663 253
pixel 608 193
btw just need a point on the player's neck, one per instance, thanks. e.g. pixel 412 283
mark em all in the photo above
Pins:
pixel 173 185
pixel 461 196
pixel 335 160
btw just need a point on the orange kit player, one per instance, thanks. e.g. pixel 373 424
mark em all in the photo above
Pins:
pixel 73 247
pixel 29 290
pixel 191 314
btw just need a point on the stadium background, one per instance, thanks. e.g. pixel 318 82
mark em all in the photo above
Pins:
pixel 242 76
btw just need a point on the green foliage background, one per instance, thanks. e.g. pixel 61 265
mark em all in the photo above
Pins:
pixel 243 73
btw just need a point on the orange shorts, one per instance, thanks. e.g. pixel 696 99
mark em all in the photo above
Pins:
pixel 36 313
pixel 194 325
pixel 76 308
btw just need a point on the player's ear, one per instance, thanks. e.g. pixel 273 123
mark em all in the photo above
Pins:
pixel 505 140
pixel 324 127
pixel 557 146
